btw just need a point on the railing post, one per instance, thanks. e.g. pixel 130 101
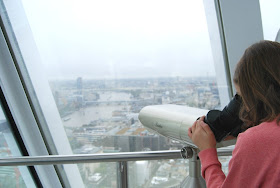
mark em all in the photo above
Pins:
pixel 122 174
pixel 194 179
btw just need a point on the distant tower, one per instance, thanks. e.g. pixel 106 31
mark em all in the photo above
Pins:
pixel 79 85
pixel 79 96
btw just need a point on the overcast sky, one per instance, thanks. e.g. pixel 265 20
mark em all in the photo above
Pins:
pixel 123 38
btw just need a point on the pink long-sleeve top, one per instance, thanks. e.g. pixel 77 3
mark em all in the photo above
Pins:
pixel 255 160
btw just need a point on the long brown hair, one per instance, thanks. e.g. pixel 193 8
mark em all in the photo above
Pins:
pixel 258 76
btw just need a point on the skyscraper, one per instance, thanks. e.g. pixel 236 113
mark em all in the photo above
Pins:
pixel 79 85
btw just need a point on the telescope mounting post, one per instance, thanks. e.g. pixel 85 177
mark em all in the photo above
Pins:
pixel 194 179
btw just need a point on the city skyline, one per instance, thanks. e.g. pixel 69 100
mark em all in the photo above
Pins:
pixel 101 116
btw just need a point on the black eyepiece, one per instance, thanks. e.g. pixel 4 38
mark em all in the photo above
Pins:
pixel 225 122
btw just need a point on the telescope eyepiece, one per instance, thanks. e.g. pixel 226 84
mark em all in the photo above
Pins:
pixel 225 122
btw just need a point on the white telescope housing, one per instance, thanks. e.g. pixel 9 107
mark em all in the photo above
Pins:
pixel 173 121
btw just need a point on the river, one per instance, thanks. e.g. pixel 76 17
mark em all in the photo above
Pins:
pixel 87 114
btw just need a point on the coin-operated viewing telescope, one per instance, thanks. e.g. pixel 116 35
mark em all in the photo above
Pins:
pixel 173 121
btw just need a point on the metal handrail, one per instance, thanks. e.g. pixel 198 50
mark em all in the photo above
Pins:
pixel 95 158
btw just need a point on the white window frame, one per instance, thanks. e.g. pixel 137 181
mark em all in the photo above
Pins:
pixel 237 29
pixel 37 92
pixel 23 116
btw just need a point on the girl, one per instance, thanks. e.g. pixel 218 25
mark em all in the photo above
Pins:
pixel 256 158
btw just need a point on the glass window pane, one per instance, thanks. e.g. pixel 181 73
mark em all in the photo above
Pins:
pixel 158 173
pixel 11 176
pixel 270 18
pixel 224 160
pixel 105 60
pixel 98 175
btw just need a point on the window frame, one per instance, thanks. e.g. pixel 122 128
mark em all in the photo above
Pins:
pixel 18 103
pixel 18 147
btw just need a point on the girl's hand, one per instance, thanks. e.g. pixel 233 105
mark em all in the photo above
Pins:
pixel 201 135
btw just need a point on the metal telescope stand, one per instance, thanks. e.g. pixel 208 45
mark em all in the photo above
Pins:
pixel 194 179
